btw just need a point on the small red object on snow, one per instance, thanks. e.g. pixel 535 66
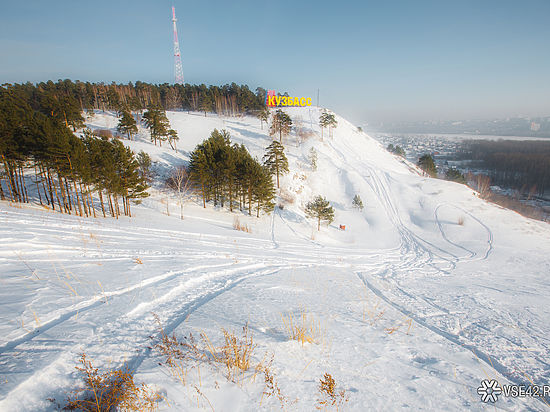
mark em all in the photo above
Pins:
pixel 342 227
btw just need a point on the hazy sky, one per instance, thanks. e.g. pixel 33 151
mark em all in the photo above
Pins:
pixel 372 60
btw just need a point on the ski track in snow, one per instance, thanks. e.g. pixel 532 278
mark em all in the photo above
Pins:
pixel 134 325
pixel 415 256
pixel 93 303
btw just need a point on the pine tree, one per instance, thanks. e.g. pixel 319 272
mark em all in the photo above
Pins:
pixel 280 123
pixel 173 139
pixel 398 150
pixel 127 124
pixel 101 161
pixel 427 164
pixel 128 183
pixel 263 115
pixel 263 190
pixel 198 166
pixel 226 173
pixel 144 162
pixel 455 175
pixel 208 165
pixel 156 121
pixel 62 108
pixel 320 209
pixel 206 104
pixel 327 120
pixel 357 202
pixel 275 160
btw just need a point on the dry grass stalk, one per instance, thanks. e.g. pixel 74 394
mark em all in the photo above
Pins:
pixel 102 291
pixel 304 329
pixel 107 391
pixel 70 288
pixel 393 329
pixel 235 354
pixel 202 395
pixel 389 331
pixel 236 351
pixel 33 271
pixel 374 314
pixel 313 234
pixel 330 396
pixel 180 356
pixel 238 226
pixel 409 322
pixel 36 319
pixel 461 221
pixel 272 388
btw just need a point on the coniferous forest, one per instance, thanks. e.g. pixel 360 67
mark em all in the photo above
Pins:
pixel 38 146
pixel 230 99
pixel 522 165
pixel 36 139
pixel 229 176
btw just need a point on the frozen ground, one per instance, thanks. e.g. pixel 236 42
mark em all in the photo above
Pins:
pixel 415 309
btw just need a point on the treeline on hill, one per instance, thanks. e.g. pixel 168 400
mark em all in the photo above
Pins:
pixel 521 165
pixel 228 175
pixel 76 97
pixel 37 146
pixel 511 164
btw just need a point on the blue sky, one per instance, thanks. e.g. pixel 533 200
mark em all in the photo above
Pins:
pixel 372 60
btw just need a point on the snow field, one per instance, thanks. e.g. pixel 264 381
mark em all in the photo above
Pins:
pixel 415 309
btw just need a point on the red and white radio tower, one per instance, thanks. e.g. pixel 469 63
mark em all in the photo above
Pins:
pixel 178 68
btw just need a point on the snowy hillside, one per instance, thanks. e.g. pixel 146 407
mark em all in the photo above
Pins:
pixel 428 290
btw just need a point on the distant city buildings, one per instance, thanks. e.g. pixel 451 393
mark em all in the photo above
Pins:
pixel 510 126
pixel 535 127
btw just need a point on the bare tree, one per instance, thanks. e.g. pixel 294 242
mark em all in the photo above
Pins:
pixel 483 186
pixel 180 182
pixel 302 133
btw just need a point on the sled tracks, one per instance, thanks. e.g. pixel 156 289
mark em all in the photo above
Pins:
pixel 471 253
pixel 491 362
pixel 127 337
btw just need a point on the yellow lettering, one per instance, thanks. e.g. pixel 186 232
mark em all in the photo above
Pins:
pixel 296 101
pixel 308 101
pixel 302 102
pixel 271 101
pixel 285 101
pixel 278 99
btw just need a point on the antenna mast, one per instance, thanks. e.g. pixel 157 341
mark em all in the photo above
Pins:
pixel 178 68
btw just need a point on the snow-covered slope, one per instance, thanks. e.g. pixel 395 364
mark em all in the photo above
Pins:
pixel 415 309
